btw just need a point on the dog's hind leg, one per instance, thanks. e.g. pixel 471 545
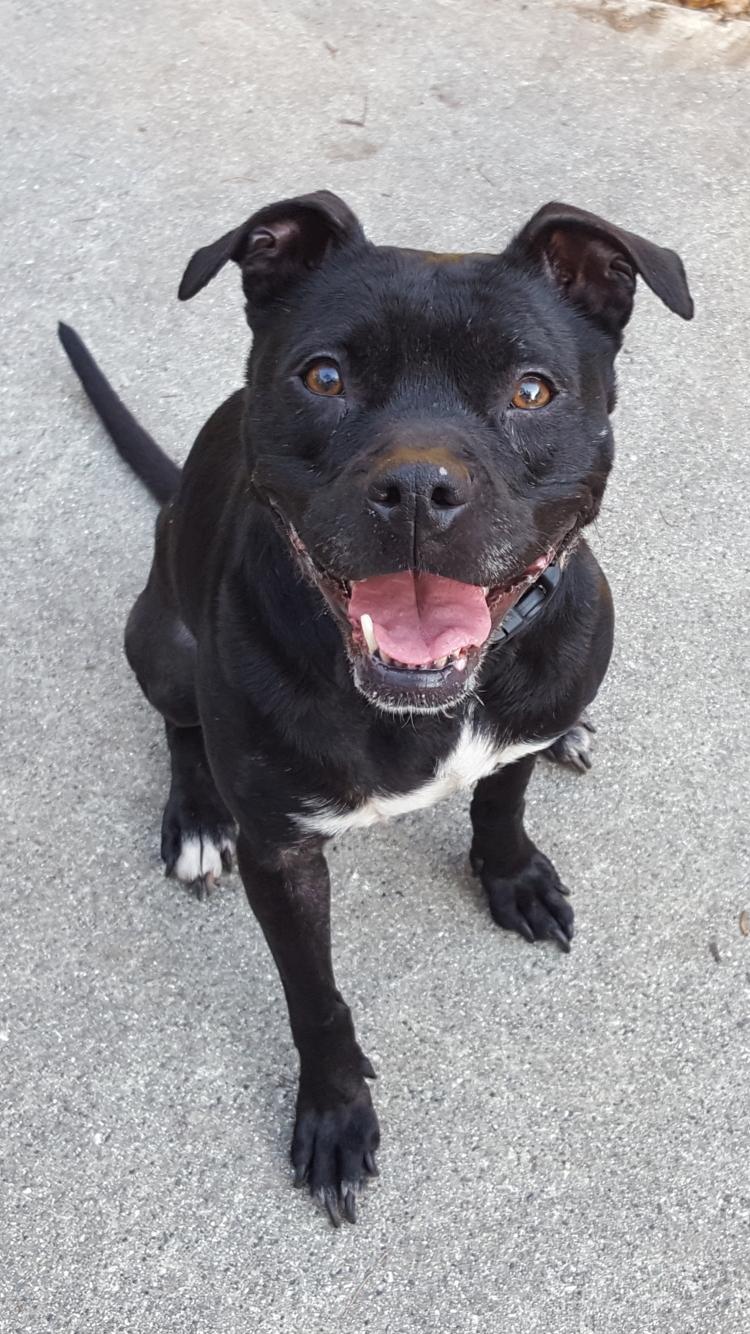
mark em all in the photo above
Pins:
pixel 573 748
pixel 197 829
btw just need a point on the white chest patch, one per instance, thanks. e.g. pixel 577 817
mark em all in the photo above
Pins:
pixel 475 755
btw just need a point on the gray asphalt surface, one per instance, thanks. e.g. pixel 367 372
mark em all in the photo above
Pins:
pixel 565 1139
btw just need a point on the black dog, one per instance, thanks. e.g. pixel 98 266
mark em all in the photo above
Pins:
pixel 370 587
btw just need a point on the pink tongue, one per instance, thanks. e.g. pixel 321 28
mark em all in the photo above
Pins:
pixel 421 617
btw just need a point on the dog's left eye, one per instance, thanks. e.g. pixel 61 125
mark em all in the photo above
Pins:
pixel 324 377
pixel 532 391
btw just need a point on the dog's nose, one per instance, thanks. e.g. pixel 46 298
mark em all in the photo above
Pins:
pixel 420 492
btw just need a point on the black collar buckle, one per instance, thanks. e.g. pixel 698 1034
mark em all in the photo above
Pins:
pixel 529 605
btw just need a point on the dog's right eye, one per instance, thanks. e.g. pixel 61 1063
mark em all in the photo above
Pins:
pixel 324 377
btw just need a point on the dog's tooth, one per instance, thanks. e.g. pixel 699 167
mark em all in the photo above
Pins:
pixel 385 657
pixel 460 664
pixel 368 630
pixel 440 662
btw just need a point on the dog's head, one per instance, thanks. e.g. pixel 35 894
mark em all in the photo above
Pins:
pixel 431 430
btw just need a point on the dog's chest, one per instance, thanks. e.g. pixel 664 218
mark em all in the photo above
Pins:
pixel 475 755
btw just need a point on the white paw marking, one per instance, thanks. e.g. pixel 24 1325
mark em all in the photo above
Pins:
pixel 200 856
pixel 475 755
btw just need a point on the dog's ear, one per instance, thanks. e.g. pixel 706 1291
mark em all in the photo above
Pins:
pixel 595 264
pixel 275 246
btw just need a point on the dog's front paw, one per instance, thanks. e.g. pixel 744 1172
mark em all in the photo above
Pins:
pixel 532 902
pixel 333 1149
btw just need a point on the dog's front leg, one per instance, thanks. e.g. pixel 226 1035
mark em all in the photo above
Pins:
pixel 523 886
pixel 336 1130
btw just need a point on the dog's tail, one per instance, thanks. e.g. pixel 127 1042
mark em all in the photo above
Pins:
pixel 132 443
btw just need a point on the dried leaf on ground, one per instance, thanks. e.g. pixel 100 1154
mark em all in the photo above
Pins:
pixel 731 8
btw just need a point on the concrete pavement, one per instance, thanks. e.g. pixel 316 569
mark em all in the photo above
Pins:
pixel 565 1139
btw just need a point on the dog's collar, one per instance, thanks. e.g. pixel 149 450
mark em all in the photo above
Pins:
pixel 529 605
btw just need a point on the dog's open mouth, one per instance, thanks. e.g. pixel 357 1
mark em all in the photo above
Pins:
pixel 425 623
pixel 416 639
pixel 421 636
